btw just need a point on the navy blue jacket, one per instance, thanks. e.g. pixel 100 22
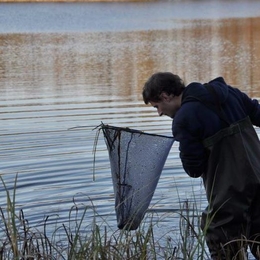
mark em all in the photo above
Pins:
pixel 194 121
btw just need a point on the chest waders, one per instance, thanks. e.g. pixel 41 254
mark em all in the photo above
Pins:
pixel 232 183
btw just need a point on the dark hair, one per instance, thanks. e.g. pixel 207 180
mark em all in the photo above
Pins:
pixel 162 82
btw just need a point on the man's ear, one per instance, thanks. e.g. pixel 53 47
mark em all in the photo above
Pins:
pixel 165 96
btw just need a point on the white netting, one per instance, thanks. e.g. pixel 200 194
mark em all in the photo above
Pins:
pixel 136 160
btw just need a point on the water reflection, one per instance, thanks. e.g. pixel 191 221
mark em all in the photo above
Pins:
pixel 117 64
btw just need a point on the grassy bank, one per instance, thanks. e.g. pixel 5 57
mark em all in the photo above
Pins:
pixel 68 1
pixel 76 240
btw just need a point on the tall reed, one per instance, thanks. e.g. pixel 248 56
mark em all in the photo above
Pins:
pixel 83 237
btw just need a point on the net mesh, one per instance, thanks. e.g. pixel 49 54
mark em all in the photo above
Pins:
pixel 136 160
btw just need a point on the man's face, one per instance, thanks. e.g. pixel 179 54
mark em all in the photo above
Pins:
pixel 168 105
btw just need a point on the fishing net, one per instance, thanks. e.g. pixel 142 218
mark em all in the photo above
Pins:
pixel 136 160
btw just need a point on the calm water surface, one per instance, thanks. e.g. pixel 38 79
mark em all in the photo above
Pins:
pixel 65 68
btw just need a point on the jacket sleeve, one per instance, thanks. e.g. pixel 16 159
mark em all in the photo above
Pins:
pixel 193 155
pixel 252 109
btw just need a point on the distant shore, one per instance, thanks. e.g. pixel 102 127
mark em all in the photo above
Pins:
pixel 67 1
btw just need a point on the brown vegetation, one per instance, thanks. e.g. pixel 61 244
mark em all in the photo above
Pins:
pixel 67 1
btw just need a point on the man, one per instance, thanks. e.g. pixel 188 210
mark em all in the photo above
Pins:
pixel 213 124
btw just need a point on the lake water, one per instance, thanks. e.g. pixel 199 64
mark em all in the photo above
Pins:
pixel 65 68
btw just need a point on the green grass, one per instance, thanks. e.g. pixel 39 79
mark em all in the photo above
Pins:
pixel 77 240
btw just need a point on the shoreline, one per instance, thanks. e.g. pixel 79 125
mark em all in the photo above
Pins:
pixel 71 1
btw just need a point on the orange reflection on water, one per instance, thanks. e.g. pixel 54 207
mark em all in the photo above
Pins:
pixel 118 63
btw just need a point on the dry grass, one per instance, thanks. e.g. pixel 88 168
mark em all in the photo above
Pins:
pixel 83 237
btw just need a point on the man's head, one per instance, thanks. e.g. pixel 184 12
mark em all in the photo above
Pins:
pixel 163 90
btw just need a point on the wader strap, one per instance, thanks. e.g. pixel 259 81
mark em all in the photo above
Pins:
pixel 232 129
